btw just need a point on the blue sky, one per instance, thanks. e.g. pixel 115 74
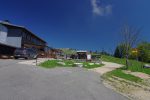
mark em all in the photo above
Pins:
pixel 80 24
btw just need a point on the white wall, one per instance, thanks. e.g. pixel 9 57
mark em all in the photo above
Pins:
pixel 14 41
pixel 3 34
pixel 11 41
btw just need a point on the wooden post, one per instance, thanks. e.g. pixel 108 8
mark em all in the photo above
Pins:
pixel 36 60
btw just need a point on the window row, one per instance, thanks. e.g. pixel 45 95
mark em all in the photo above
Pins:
pixel 32 39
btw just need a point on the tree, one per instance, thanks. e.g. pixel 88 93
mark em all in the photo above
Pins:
pixel 120 51
pixel 68 51
pixel 130 38
pixel 144 51
pixel 117 53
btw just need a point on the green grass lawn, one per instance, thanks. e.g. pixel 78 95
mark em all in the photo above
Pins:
pixel 135 65
pixel 113 59
pixel 54 63
pixel 50 64
pixel 119 73
pixel 67 63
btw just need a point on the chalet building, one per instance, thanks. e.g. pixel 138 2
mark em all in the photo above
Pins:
pixel 14 36
pixel 82 54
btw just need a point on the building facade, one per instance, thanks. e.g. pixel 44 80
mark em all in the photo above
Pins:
pixel 14 36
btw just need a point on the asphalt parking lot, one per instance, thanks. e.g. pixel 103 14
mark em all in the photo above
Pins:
pixel 28 82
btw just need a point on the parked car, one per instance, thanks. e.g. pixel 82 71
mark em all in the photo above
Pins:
pixel 27 53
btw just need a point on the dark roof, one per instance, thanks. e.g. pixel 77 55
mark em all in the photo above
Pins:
pixel 21 27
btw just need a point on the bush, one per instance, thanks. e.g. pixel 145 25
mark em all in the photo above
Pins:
pixel 144 51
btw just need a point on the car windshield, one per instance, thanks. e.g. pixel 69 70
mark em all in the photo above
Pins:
pixel 19 50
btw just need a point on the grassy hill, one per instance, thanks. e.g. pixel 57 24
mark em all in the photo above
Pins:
pixel 135 66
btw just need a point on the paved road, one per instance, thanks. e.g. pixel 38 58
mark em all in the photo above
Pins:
pixel 26 82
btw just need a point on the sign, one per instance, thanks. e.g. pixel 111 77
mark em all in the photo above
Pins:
pixel 89 57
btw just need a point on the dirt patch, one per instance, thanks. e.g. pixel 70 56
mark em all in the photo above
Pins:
pixel 142 95
pixel 131 91
pixel 138 74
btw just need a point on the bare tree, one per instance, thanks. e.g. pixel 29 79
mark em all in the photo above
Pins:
pixel 130 37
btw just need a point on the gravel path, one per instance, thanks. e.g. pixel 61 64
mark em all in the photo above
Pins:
pixel 108 66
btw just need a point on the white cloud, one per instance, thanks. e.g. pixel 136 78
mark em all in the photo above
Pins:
pixel 99 9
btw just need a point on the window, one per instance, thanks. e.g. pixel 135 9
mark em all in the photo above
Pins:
pixel 28 37
pixel 23 34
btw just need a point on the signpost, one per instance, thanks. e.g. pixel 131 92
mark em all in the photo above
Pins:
pixel 37 60
pixel 135 52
